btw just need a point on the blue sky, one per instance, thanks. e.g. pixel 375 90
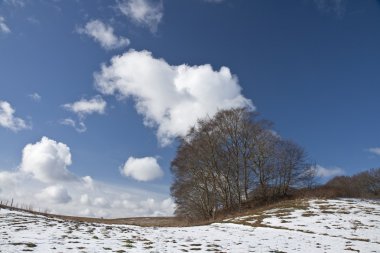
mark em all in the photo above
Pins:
pixel 110 84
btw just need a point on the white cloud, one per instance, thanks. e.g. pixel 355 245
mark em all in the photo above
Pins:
pixel 55 194
pixel 142 169
pixel 87 213
pixel 170 97
pixel 8 120
pixel 47 160
pixel 88 182
pixel 100 202
pixel 328 172
pixel 85 199
pixel 104 34
pixel 3 27
pixel 35 96
pixel 167 204
pixel 375 151
pixel 8 179
pixel 104 200
pixel 84 107
pixel 144 12
pixel 80 127
pixel 82 196
pixel 151 205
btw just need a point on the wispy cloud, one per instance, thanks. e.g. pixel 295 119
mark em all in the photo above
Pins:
pixel 82 108
pixel 16 3
pixel 8 120
pixel 3 27
pixel 85 107
pixel 35 97
pixel 33 20
pixel 80 127
pixel 375 151
pixel 338 7
pixel 147 13
pixel 104 34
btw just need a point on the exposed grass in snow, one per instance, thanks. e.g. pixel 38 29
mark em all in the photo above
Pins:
pixel 344 225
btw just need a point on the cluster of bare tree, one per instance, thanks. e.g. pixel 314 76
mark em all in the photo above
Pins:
pixel 231 159
pixel 362 185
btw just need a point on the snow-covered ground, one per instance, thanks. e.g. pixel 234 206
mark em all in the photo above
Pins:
pixel 344 225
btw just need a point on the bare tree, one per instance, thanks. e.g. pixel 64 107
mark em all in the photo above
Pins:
pixel 365 184
pixel 231 159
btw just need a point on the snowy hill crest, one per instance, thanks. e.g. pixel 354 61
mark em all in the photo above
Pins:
pixel 344 225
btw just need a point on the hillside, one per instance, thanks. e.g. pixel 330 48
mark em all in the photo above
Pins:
pixel 344 225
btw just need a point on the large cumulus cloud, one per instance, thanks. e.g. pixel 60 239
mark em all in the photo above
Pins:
pixel 172 98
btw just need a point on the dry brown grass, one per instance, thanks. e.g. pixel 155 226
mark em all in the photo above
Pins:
pixel 284 208
pixel 281 209
pixel 137 221
pixel 168 221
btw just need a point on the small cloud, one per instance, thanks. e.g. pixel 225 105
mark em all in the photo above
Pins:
pixel 375 151
pixel 80 127
pixel 55 194
pixel 15 3
pixel 147 13
pixel 3 27
pixel 47 161
pixel 142 169
pixel 8 120
pixel 35 97
pixel 85 107
pixel 328 172
pixel 104 34
pixel 214 1
pixel 33 20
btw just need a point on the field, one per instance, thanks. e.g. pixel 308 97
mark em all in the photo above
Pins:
pixel 342 225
